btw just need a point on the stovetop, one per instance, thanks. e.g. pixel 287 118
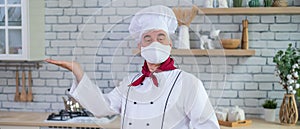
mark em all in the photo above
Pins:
pixel 64 115
pixel 83 116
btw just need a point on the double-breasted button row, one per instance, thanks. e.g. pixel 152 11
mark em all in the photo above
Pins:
pixel 147 124
pixel 150 102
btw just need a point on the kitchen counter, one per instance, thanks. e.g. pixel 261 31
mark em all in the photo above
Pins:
pixel 38 120
pixel 262 124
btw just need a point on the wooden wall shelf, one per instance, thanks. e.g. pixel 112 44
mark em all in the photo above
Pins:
pixel 211 52
pixel 247 10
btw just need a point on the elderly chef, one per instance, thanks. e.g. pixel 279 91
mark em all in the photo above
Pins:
pixel 161 96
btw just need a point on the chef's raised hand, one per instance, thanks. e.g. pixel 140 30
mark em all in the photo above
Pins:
pixel 69 65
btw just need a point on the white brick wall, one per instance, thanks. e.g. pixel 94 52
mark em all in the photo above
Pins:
pixel 283 19
pixel 295 18
pixel 258 27
pixel 253 19
pixel 95 33
pixel 252 94
pixel 284 27
pixel 225 19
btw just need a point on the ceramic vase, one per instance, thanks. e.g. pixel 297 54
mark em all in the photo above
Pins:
pixel 184 37
pixel 269 114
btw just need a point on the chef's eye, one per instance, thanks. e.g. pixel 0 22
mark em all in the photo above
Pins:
pixel 147 39
pixel 161 37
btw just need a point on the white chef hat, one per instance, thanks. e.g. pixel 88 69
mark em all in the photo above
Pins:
pixel 153 17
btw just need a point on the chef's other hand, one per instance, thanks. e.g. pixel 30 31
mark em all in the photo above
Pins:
pixel 69 65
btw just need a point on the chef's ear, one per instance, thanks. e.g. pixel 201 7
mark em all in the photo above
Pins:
pixel 171 43
pixel 139 46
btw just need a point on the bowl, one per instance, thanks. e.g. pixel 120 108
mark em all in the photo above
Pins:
pixel 230 43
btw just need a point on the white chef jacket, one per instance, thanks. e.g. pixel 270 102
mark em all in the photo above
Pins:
pixel 144 106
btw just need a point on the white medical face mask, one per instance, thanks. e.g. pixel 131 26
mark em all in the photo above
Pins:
pixel 156 52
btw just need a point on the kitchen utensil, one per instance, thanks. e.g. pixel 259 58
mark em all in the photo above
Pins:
pixel 17 94
pixel 235 123
pixel 23 92
pixel 230 43
pixel 29 95
pixel 245 40
pixel 184 19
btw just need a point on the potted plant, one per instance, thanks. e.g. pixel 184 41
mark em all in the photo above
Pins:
pixel 270 106
pixel 287 69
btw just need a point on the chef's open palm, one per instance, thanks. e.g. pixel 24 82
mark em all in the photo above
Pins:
pixel 69 65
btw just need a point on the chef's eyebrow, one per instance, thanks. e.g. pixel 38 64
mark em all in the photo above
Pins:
pixel 147 36
pixel 161 34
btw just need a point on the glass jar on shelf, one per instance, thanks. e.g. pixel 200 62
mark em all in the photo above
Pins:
pixel 254 3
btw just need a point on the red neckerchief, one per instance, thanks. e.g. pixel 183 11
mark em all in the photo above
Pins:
pixel 165 66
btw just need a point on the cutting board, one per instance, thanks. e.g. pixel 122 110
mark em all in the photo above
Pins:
pixel 236 123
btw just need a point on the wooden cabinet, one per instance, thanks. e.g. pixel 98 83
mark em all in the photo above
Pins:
pixel 22 30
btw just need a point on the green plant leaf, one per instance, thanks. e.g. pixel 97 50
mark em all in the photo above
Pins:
pixel 270 104
pixel 284 63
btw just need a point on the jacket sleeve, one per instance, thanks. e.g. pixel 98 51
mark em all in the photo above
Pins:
pixel 91 97
pixel 199 109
